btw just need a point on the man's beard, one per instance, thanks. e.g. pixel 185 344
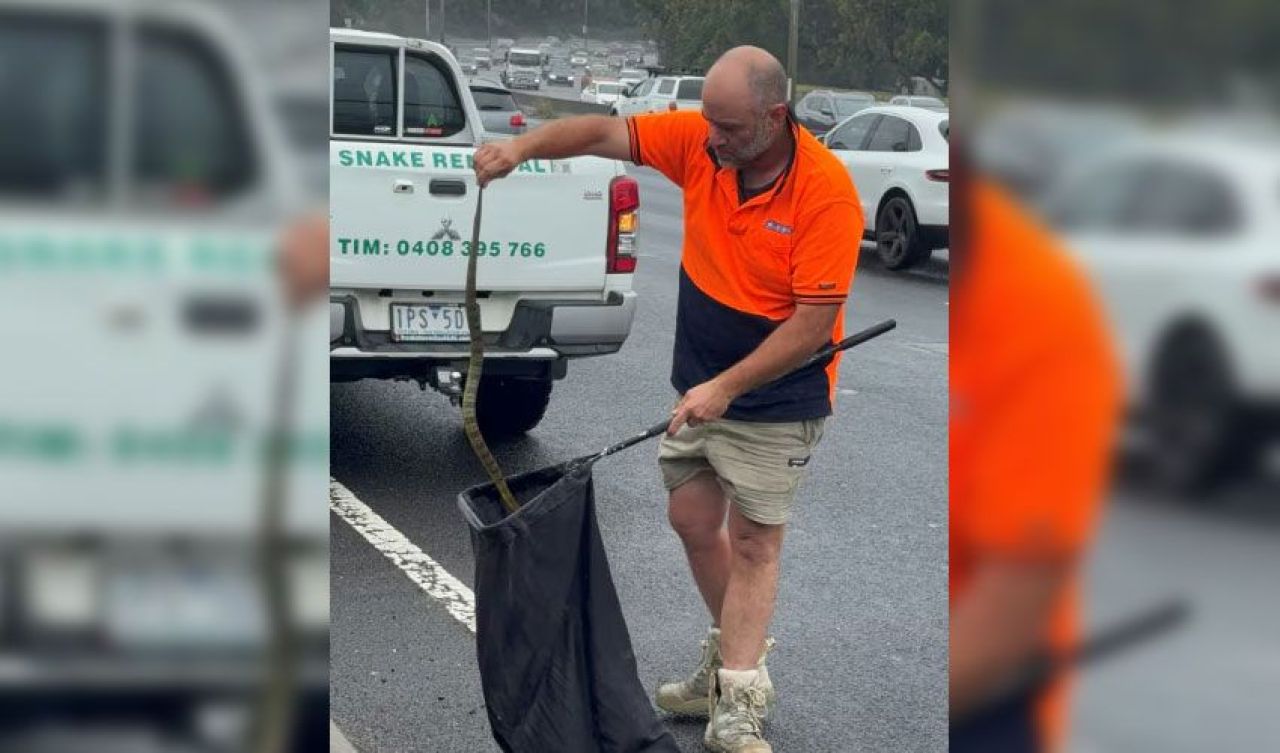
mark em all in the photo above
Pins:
pixel 760 142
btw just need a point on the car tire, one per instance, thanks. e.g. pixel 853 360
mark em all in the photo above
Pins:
pixel 900 244
pixel 1198 433
pixel 508 407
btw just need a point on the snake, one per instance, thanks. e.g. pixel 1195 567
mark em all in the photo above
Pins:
pixel 475 367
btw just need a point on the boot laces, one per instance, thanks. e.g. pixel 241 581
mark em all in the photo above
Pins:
pixel 705 667
pixel 746 717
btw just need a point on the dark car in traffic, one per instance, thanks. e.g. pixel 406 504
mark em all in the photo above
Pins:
pixel 560 73
pixel 821 109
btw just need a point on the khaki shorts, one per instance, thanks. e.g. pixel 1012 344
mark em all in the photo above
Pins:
pixel 758 464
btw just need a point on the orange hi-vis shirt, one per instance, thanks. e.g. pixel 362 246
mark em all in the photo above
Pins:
pixel 746 264
pixel 1035 397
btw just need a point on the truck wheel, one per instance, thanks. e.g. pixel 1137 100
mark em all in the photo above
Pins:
pixel 507 407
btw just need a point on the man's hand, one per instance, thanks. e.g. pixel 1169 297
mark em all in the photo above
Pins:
pixel 304 259
pixel 573 136
pixel 706 402
pixel 999 624
pixel 496 160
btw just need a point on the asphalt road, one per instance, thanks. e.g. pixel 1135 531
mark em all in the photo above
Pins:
pixel 861 621
pixel 1213 683
pixel 573 93
pixel 560 92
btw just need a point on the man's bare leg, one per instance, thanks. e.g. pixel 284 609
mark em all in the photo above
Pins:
pixel 747 606
pixel 696 510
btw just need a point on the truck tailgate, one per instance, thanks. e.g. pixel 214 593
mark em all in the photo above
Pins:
pixel 402 218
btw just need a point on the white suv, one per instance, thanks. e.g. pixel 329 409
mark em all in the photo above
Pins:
pixel 1178 233
pixel 899 161
pixel 662 93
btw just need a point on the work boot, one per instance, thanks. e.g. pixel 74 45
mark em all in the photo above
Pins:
pixel 738 707
pixel 690 697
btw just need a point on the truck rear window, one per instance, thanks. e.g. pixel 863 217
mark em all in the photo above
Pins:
pixel 191 141
pixel 364 92
pixel 431 106
pixel 54 89
pixel 365 99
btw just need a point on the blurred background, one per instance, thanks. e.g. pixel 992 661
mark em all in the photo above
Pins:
pixel 872 45
pixel 163 411
pixel 1145 135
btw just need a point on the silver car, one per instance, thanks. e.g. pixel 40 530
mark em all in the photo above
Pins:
pixel 915 100
pixel 499 112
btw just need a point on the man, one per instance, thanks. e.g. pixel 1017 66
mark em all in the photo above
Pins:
pixel 771 232
pixel 1035 404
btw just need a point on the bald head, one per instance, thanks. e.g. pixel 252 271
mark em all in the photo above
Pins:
pixel 744 100
pixel 748 71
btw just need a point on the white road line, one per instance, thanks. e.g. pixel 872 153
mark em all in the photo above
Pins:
pixel 412 561
pixel 338 742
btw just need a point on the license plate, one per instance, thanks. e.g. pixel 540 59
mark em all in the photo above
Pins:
pixel 429 322
pixel 183 604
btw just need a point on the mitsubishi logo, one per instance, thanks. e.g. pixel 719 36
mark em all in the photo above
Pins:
pixel 446 231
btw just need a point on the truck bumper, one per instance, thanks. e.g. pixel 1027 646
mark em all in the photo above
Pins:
pixel 585 325
pixel 90 706
pixel 539 331
pixel 174 674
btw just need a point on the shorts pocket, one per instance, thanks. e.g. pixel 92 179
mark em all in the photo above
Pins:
pixel 812 430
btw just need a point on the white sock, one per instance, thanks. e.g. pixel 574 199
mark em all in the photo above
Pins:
pixel 739 677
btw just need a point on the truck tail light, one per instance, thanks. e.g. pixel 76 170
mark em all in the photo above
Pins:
pixel 517 119
pixel 941 176
pixel 624 200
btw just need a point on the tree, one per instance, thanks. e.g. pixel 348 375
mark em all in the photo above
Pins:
pixel 907 38
pixel 875 44
pixel 866 44
pixel 693 33
pixel 1158 53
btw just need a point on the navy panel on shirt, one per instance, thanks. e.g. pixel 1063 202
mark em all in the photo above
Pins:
pixel 711 337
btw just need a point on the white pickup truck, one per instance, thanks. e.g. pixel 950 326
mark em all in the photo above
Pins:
pixel 146 179
pixel 557 245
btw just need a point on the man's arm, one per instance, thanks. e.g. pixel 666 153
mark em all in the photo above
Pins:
pixel 807 330
pixel 595 135
pixel 998 626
